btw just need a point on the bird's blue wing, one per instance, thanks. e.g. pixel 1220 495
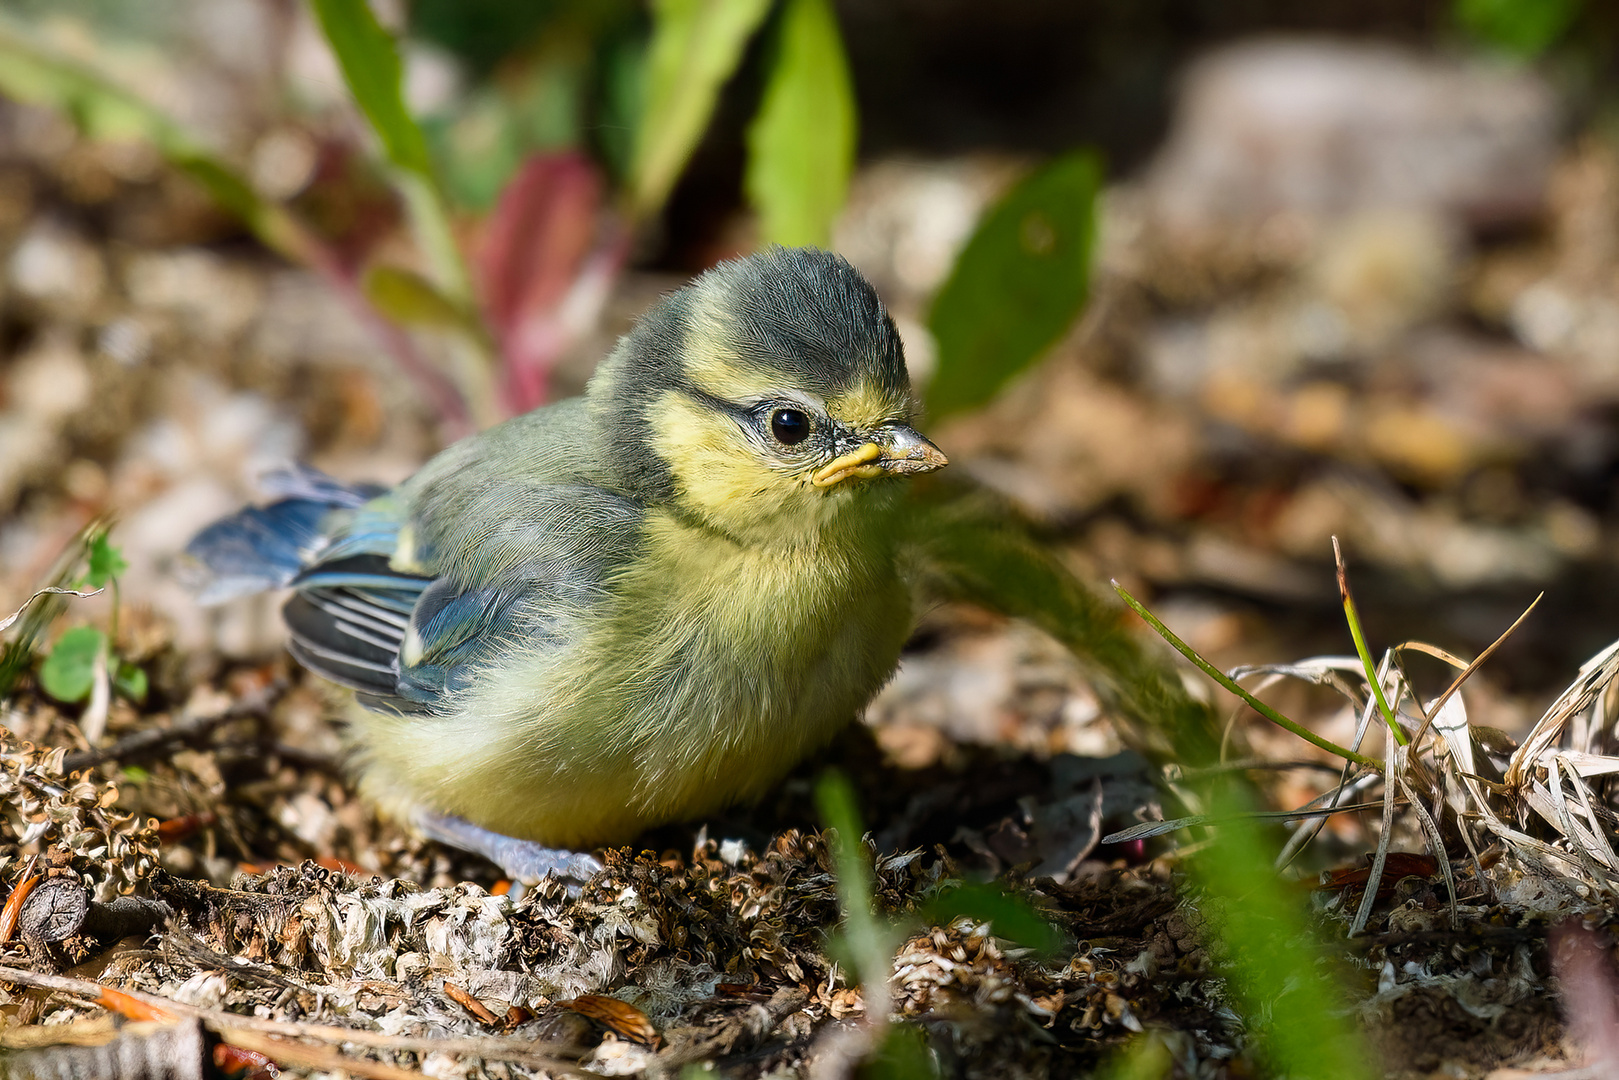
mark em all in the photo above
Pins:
pixel 264 547
pixel 410 643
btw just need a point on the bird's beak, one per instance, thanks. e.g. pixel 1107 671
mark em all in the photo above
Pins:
pixel 891 450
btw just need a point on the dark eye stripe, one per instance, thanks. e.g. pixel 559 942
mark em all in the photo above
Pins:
pixel 757 416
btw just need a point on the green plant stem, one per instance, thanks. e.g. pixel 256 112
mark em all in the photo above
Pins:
pixel 430 221
pixel 117 603
pixel 1352 616
pixel 1230 684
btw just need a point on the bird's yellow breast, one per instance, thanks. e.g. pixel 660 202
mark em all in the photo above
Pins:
pixel 708 671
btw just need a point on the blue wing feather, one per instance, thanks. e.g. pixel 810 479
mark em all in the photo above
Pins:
pixel 527 559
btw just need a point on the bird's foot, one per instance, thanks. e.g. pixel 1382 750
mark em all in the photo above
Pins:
pixel 522 860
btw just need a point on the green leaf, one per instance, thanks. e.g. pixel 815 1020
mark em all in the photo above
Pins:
pixel 371 68
pixel 903 1054
pixel 1018 285
pixel 1010 917
pixel 801 145
pixel 33 72
pixel 131 682
pixel 1525 28
pixel 410 299
pixel 696 45
pixel 106 562
pixel 69 671
pixel 869 942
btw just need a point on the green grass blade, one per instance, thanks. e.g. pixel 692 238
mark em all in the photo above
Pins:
pixel 870 942
pixel 1277 977
pixel 1352 616
pixel 696 46
pixel 1236 688
pixel 801 144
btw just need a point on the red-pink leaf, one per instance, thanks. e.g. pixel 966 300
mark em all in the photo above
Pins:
pixel 535 254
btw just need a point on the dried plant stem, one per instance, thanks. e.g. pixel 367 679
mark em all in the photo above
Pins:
pixel 489 1048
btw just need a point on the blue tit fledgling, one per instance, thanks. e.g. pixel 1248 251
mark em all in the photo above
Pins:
pixel 626 609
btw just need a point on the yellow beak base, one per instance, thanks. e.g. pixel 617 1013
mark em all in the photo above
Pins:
pixel 903 451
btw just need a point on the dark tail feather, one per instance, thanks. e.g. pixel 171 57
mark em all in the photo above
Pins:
pixel 261 548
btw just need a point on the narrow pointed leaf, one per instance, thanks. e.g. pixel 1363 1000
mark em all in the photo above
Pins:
pixel 371 68
pixel 696 46
pixel 801 145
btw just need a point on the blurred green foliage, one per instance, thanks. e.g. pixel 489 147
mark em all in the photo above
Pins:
pixel 1018 285
pixel 801 145
pixel 868 940
pixel 1524 28
pixel 696 46
pixel 1278 975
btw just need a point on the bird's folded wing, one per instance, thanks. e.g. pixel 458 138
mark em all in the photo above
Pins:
pixel 410 642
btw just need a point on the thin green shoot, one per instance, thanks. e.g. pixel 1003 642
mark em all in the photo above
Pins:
pixel 1353 617
pixel 1232 686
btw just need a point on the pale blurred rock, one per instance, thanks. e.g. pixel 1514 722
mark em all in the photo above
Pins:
pixel 49 382
pixel 1384 270
pixel 906 220
pixel 216 298
pixel 57 267
pixel 283 162
pixel 1327 128
pixel 178 474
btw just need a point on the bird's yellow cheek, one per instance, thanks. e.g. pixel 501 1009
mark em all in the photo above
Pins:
pixel 722 479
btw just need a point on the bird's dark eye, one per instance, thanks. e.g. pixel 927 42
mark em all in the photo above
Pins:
pixel 789 426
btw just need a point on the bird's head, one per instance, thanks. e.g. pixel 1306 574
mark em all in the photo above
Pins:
pixel 766 399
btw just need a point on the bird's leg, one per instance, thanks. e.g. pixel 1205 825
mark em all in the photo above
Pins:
pixel 522 860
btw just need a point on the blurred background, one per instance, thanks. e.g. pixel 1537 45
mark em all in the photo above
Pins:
pixel 1221 281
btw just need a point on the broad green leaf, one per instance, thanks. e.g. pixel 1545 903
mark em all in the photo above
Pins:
pixel 371 68
pixel 69 670
pixel 410 299
pixel 1018 284
pixel 106 562
pixel 1525 28
pixel 696 45
pixel 131 682
pixel 801 145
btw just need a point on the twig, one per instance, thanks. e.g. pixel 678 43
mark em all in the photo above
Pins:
pixel 140 1052
pixel 143 744
pixel 61 907
pixel 286 1051
pixel 488 1048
